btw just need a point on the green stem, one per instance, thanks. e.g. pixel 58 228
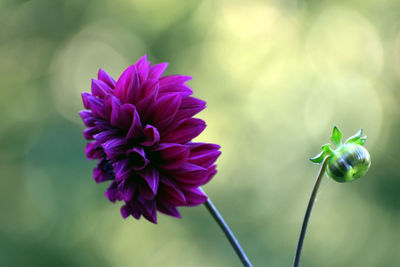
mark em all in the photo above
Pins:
pixel 228 233
pixel 308 211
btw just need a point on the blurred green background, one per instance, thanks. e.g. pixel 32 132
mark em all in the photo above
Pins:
pixel 277 75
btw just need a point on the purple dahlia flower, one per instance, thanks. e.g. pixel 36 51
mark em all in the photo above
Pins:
pixel 141 129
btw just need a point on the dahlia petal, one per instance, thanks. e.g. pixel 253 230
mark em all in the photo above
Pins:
pixel 137 158
pixel 93 151
pixel 145 192
pixel 175 83
pixel 182 89
pixel 115 110
pixel 122 115
pixel 149 209
pixel 96 105
pixel 103 125
pixel 212 170
pixel 106 135
pixel 133 92
pixel 149 88
pixel 87 118
pixel 170 156
pixel 127 117
pixel 110 102
pixel 141 62
pixel 168 210
pixel 204 159
pixel 123 83
pixel 151 178
pixel 157 70
pixel 174 79
pixel 112 192
pixel 190 174
pixel 121 170
pixel 186 131
pixel 171 193
pixel 190 106
pixel 100 88
pixel 195 196
pixel 114 147
pixel 103 76
pixel 143 72
pixel 136 129
pixel 149 93
pixel 136 214
pixel 166 108
pixel 89 132
pixel 125 211
pixel 85 101
pixel 101 173
pixel 152 135
pixel 126 190
pixel 197 148
pixel 131 208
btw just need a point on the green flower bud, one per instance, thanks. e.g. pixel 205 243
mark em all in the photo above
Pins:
pixel 349 161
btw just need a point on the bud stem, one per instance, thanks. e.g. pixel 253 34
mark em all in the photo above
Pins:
pixel 308 211
pixel 228 233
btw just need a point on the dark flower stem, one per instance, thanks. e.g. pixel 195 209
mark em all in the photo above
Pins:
pixel 228 233
pixel 308 212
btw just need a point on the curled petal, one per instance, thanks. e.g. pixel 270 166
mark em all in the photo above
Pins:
pixel 152 136
pixel 136 129
pixel 122 116
pixel 137 158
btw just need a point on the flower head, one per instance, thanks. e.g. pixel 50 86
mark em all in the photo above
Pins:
pixel 348 161
pixel 141 128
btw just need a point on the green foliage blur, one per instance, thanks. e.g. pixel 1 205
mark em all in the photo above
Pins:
pixel 277 75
